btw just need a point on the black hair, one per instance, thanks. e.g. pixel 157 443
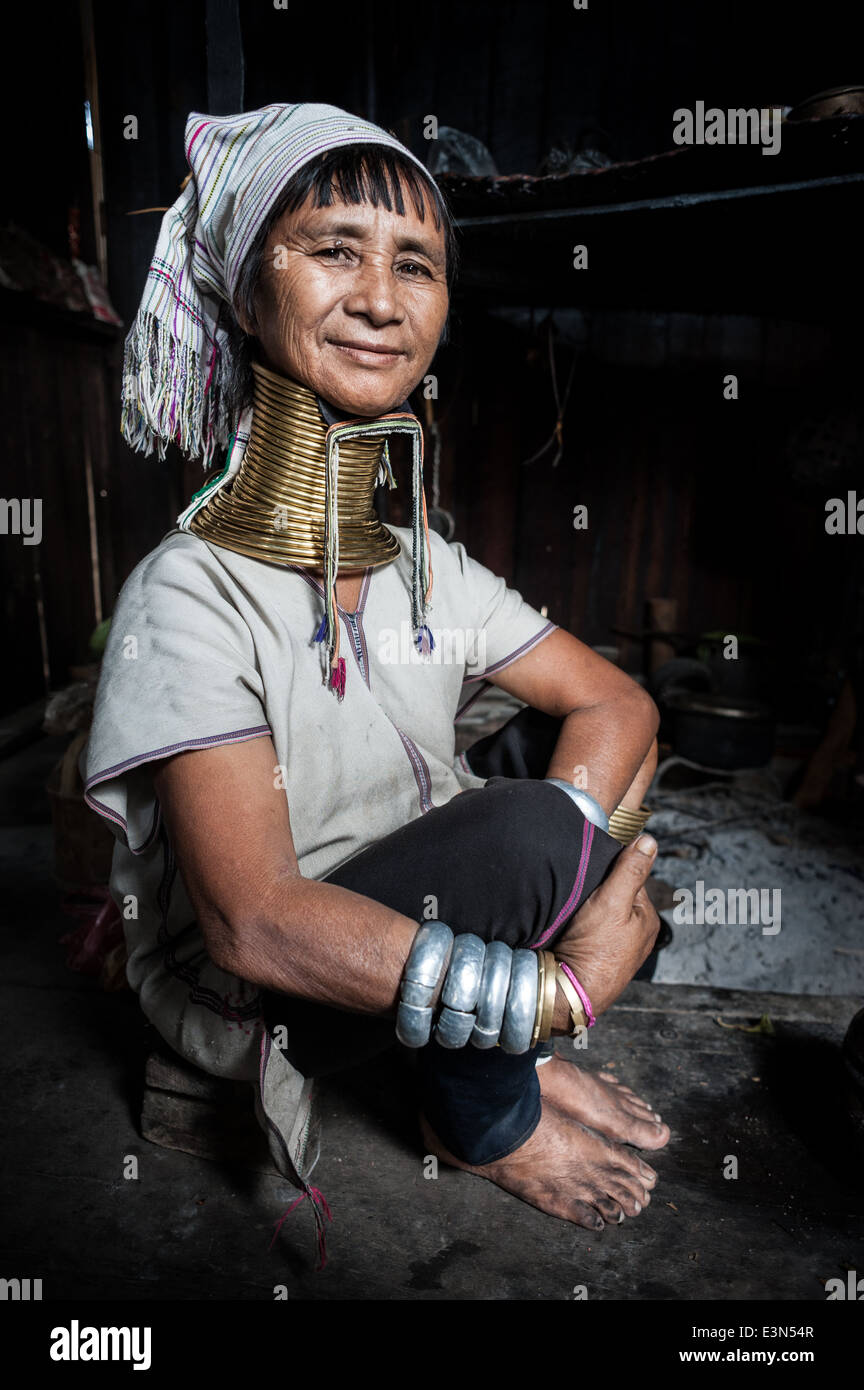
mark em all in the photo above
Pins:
pixel 361 173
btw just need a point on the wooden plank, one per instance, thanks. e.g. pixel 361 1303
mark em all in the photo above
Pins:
pixel 646 997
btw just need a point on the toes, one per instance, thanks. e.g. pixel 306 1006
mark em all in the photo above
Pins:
pixel 662 1135
pixel 627 1094
pixel 641 1111
pixel 634 1188
pixel 637 1106
pixel 646 1133
pixel 586 1215
pixel 633 1104
pixel 631 1164
pixel 648 1176
pixel 610 1209
pixel 631 1203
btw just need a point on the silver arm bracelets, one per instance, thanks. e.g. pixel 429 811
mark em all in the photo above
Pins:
pixel 590 808
pixel 489 994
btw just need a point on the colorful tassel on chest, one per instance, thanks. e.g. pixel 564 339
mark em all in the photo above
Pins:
pixel 421 575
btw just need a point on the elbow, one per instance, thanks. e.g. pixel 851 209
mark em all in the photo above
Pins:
pixel 229 945
pixel 645 715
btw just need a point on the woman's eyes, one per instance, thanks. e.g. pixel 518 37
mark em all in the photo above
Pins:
pixel 333 253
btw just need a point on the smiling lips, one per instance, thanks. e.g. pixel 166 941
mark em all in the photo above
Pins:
pixel 369 354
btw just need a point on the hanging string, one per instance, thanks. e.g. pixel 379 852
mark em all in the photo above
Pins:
pixel 557 435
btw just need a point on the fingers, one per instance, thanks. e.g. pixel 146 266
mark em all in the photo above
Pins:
pixel 630 872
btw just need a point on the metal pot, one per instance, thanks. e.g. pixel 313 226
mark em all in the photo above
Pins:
pixel 720 732
pixel 835 101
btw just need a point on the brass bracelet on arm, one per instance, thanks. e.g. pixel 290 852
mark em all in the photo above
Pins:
pixel 625 825
pixel 541 973
pixel 545 998
pixel 577 1009
pixel 551 994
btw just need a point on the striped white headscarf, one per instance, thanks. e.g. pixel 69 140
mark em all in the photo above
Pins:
pixel 175 354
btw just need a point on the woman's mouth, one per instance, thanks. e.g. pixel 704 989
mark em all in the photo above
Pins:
pixel 369 354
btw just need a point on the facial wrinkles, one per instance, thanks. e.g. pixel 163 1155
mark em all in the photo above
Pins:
pixel 309 301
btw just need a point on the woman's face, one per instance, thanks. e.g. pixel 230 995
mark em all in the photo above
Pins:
pixel 351 301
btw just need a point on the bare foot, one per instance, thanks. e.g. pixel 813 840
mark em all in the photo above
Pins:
pixel 603 1103
pixel 567 1171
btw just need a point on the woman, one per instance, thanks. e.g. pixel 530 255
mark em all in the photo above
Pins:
pixel 285 795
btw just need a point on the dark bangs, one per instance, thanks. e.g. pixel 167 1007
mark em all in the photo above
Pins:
pixel 370 174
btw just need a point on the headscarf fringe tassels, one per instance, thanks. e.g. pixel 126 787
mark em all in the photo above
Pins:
pixel 167 397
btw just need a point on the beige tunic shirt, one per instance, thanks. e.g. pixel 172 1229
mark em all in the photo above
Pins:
pixel 209 647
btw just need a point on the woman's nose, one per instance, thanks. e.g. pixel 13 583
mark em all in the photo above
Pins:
pixel 374 292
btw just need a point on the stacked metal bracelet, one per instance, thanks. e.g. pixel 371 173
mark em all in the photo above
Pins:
pixel 492 995
pixel 625 825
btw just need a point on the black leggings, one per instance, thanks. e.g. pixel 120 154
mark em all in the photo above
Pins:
pixel 511 861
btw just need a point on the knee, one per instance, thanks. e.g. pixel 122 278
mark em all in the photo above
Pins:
pixel 534 825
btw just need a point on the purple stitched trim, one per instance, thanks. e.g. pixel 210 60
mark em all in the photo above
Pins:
pixel 357 645
pixel 357 625
pixel 102 810
pixel 235 736
pixel 421 770
pixel 419 765
pixel 576 892
pixel 364 589
pixel 520 651
pixel 468 703
pixel 353 621
pixel 212 741
pixel 319 588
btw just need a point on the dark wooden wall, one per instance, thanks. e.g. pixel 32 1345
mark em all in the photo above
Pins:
pixel 687 495
pixel 524 75
pixel 58 378
pixel 719 504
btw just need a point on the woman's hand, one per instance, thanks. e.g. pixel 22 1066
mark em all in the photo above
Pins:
pixel 613 933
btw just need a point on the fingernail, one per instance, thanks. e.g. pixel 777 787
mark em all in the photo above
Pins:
pixel 620 1217
pixel 646 844
pixel 638 1207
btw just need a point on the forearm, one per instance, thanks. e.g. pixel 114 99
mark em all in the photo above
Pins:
pixel 609 750
pixel 338 948
pixel 321 942
pixel 635 795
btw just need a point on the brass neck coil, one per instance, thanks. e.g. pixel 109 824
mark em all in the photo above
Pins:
pixel 273 508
